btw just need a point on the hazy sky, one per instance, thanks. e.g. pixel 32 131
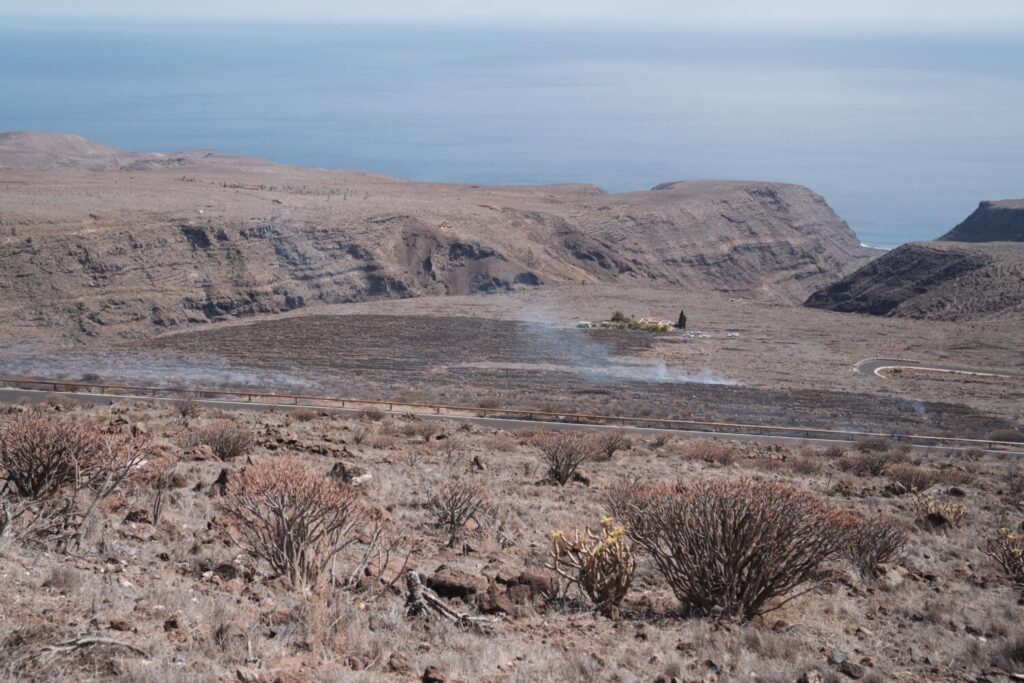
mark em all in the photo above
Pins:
pixel 894 15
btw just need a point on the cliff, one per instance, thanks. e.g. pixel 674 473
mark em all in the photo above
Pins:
pixel 95 241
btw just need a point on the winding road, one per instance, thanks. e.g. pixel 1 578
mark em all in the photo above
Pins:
pixel 872 367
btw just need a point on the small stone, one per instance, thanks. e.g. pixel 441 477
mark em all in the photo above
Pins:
pixel 812 676
pixel 852 669
pixel 399 663
pixel 432 674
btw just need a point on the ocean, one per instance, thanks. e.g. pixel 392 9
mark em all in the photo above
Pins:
pixel 903 136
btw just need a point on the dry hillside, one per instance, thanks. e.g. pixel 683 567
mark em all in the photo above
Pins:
pixel 114 243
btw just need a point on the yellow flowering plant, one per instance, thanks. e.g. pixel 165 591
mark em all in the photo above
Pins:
pixel 1007 550
pixel 601 564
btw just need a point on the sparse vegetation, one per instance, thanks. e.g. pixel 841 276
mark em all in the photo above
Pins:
pixel 453 505
pixel 608 443
pixel 1007 435
pixel 297 521
pixel 938 514
pixel 563 453
pixel 731 548
pixel 227 439
pixel 874 542
pixel 601 566
pixel 1007 551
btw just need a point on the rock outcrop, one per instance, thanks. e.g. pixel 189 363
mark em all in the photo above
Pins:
pixel 1001 221
pixel 99 242
pixel 934 280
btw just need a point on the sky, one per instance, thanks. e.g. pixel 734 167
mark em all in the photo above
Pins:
pixel 886 15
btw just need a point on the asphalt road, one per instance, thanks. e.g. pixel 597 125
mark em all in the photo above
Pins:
pixel 16 395
pixel 871 367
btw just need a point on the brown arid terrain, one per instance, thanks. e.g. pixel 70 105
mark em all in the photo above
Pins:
pixel 113 244
pixel 156 578
pixel 973 272
pixel 183 540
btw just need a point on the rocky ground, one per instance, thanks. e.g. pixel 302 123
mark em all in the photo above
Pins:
pixel 178 600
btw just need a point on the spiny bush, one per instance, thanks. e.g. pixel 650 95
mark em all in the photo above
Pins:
pixel 875 541
pixel 227 439
pixel 601 566
pixel 731 548
pixel 56 472
pixel 297 520
pixel 607 444
pixel 1007 551
pixel 453 505
pixel 563 453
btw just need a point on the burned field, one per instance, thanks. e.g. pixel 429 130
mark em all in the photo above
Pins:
pixel 500 363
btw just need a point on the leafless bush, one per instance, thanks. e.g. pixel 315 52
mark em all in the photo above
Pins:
pixel 187 408
pixel 874 445
pixel 731 548
pixel 833 452
pixel 371 415
pixel 710 450
pixel 227 439
pixel 876 541
pixel 911 477
pixel 805 465
pixel 449 449
pixel 304 415
pixel 608 443
pixel 56 472
pixel 423 429
pixel 360 432
pixel 454 505
pixel 62 404
pixel 602 566
pixel 563 453
pixel 296 520
pixel 869 464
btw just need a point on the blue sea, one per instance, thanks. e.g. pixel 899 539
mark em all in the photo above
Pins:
pixel 902 135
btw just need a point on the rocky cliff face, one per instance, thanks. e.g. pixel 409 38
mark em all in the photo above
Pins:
pixel 1001 221
pixel 934 280
pixel 113 243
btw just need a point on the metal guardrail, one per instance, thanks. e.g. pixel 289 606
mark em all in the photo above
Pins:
pixel 455 411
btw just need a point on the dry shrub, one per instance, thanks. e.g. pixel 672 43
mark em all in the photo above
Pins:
pixel 187 408
pixel 1007 551
pixel 304 415
pixel 876 541
pixel 500 443
pixel 360 432
pixel 731 548
pixel 298 521
pixel 423 429
pixel 833 452
pixel 57 472
pixel 563 453
pixel 874 445
pixel 608 443
pixel 371 415
pixel 601 566
pixel 710 450
pixel 869 464
pixel 453 505
pixel 911 477
pixel 805 465
pixel 227 439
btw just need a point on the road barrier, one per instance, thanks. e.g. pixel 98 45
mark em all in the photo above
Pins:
pixel 454 411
